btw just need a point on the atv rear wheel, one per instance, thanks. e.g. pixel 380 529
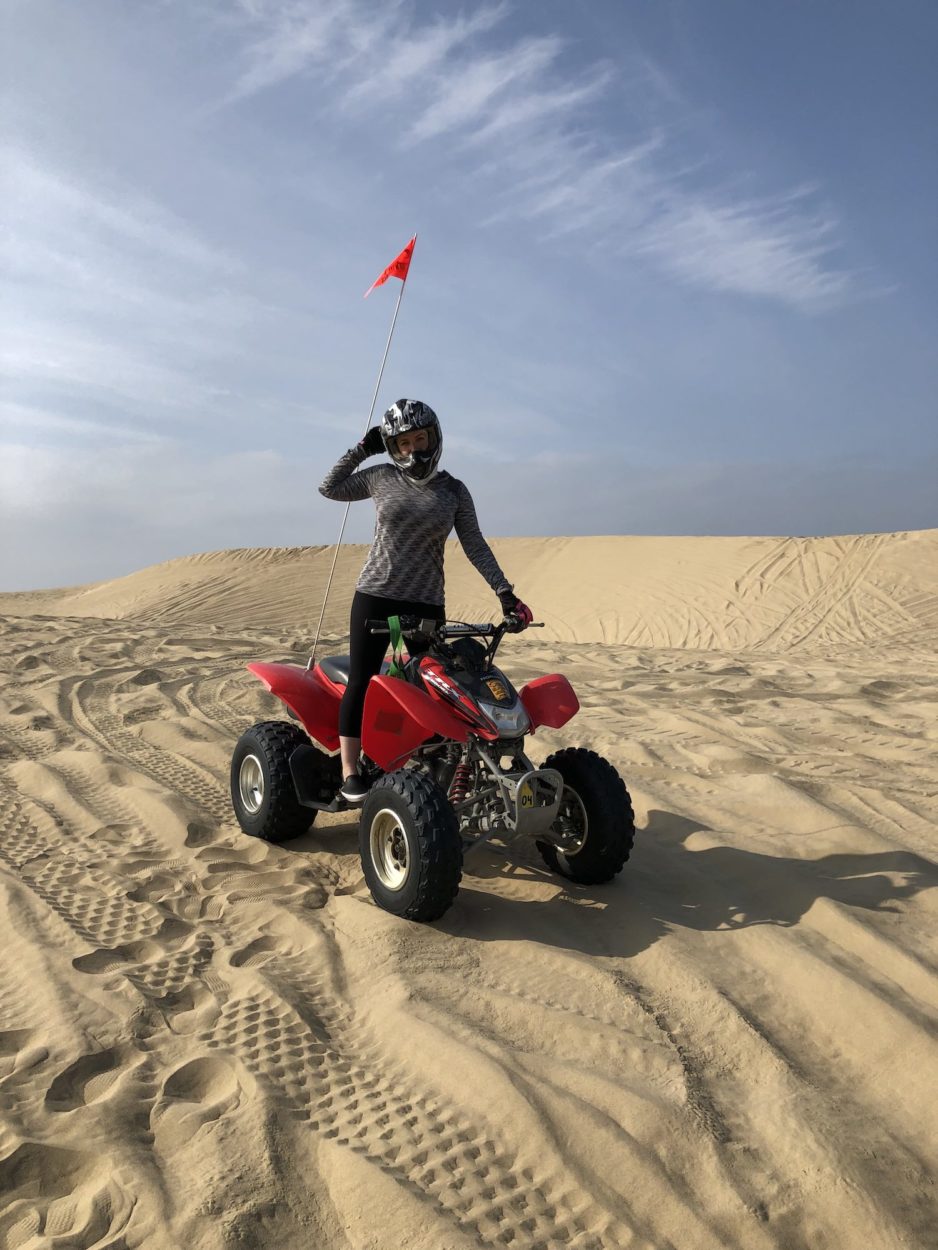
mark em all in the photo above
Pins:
pixel 262 791
pixel 595 818
pixel 410 846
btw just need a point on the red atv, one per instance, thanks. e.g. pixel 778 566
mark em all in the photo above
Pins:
pixel 443 742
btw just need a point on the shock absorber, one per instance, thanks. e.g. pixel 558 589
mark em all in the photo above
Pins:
pixel 461 785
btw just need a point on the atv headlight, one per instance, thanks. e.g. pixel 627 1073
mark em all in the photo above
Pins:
pixel 511 722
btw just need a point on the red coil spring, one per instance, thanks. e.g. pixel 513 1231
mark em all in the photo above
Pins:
pixel 461 784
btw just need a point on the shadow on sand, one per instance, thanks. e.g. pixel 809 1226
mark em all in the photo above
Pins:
pixel 665 886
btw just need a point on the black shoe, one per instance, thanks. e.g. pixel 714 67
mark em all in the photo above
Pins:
pixel 354 789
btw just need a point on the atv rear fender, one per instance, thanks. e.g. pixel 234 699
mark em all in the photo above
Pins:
pixel 399 717
pixel 549 701
pixel 307 693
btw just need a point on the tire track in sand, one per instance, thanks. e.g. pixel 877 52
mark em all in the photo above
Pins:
pixel 811 614
pixel 294 1033
pixel 296 1038
pixel 90 710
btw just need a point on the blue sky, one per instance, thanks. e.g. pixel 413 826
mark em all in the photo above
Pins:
pixel 676 266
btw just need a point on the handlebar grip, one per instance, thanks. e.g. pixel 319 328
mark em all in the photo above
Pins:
pixel 409 625
pixel 464 629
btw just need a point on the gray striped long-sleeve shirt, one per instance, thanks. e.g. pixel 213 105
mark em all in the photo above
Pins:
pixel 411 528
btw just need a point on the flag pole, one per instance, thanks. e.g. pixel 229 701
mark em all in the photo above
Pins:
pixel 371 413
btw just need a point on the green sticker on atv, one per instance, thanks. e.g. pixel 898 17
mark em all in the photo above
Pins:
pixel 395 668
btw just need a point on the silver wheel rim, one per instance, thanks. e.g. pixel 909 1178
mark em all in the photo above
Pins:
pixel 573 822
pixel 389 853
pixel 251 784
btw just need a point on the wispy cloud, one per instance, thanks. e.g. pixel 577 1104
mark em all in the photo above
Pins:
pixel 514 110
pixel 51 356
pixel 27 423
pixel 752 247
pixel 408 54
pixel 294 37
pixel 106 292
pixel 469 93
pixel 43 199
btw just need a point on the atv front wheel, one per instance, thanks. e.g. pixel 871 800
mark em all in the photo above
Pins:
pixel 410 846
pixel 595 821
pixel 262 791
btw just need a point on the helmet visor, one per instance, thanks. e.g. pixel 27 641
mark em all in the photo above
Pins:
pixel 411 446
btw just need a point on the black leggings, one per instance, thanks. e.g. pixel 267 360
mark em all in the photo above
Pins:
pixel 366 650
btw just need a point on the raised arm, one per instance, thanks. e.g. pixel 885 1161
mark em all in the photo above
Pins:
pixel 343 483
pixel 474 545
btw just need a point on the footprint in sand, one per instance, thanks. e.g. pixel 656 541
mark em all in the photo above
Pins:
pixel 57 1197
pixel 110 959
pixel 146 677
pixel 196 1094
pixel 188 1009
pixel 90 1078
pixel 200 835
pixel 248 886
pixel 172 888
pixel 258 952
pixel 29 662
pixel 138 716
pixel 16 1055
pixel 12 1042
pixel 235 858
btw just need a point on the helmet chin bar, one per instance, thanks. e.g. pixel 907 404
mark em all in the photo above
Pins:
pixel 420 465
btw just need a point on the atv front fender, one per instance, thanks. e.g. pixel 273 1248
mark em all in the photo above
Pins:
pixel 309 695
pixel 549 701
pixel 399 717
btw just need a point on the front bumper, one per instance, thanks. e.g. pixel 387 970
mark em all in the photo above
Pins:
pixel 532 800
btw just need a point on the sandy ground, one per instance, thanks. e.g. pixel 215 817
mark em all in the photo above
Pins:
pixel 207 1041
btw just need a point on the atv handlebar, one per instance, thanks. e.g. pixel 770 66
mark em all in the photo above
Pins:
pixel 436 632
pixel 454 629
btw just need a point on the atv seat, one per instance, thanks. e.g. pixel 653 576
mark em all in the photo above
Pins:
pixel 337 666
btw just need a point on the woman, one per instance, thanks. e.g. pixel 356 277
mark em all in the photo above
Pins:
pixel 417 507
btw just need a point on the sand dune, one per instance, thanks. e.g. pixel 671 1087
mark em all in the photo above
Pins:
pixel 772 594
pixel 209 1041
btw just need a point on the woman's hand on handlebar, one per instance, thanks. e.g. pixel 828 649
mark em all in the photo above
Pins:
pixel 517 614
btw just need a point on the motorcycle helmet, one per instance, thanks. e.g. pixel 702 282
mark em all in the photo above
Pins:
pixel 405 417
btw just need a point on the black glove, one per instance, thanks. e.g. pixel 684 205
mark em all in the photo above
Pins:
pixel 518 615
pixel 372 444
pixel 508 599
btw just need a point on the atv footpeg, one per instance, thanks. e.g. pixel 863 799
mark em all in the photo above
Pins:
pixel 308 781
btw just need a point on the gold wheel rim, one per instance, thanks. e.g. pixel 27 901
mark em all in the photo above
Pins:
pixel 390 854
pixel 251 784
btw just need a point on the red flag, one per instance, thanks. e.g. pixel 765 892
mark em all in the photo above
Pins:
pixel 397 268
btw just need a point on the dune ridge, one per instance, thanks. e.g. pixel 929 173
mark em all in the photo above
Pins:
pixel 772 594
pixel 210 1041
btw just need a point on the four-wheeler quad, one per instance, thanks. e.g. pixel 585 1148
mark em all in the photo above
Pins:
pixel 443 747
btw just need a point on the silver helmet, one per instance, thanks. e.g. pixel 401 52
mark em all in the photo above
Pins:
pixel 405 417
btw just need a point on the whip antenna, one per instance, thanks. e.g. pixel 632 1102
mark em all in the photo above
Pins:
pixel 398 268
